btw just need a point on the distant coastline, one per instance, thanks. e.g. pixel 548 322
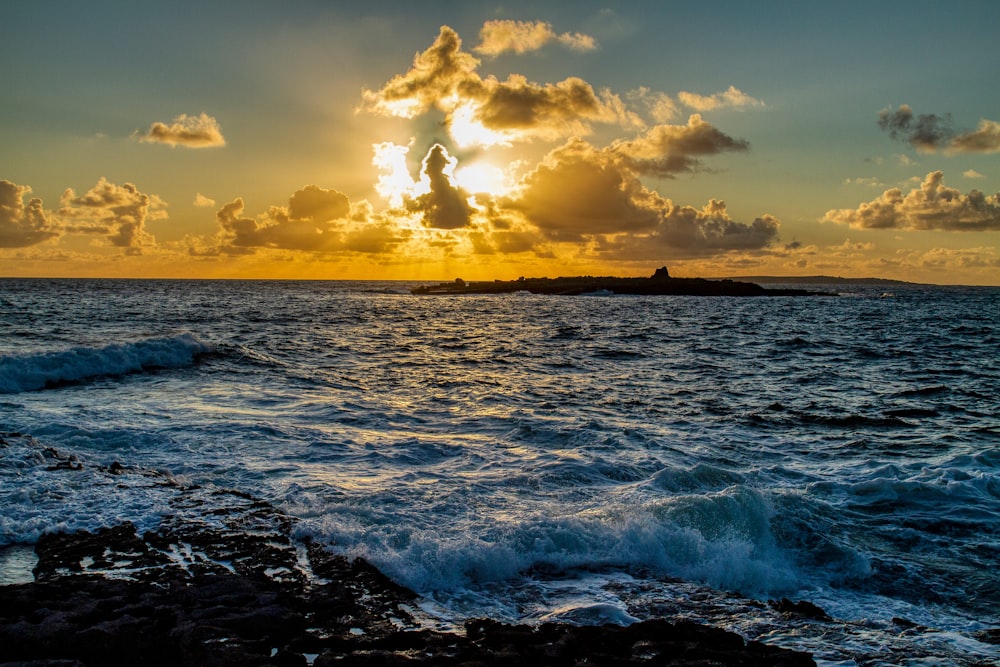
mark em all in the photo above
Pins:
pixel 660 283
pixel 818 280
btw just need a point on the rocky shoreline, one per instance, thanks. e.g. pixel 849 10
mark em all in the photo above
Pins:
pixel 660 283
pixel 223 582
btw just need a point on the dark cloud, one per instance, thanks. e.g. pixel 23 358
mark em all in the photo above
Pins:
pixel 933 206
pixel 927 132
pixel 201 131
pixel 666 150
pixel 930 132
pixel 22 226
pixel 445 206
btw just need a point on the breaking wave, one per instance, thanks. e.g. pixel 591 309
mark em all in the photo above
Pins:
pixel 43 370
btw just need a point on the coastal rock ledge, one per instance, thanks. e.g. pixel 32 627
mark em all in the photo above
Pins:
pixel 269 611
pixel 223 582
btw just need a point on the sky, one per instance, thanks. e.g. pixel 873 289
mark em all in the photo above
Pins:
pixel 481 140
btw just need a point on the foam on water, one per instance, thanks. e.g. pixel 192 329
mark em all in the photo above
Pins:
pixel 29 372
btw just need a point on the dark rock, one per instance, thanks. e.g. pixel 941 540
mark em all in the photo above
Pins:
pixel 233 591
pixel 803 609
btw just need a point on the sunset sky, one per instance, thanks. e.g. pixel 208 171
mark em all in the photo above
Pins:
pixel 402 140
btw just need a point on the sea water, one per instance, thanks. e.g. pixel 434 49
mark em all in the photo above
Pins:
pixel 533 458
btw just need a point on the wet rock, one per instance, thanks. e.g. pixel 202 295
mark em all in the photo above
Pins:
pixel 221 582
pixel 802 609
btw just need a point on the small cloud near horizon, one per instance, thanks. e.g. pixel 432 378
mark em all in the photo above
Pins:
pixel 932 206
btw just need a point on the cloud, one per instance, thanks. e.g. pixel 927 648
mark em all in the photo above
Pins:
pixel 933 206
pixel 579 190
pixel 666 150
pixel 926 132
pixel 119 212
pixel 985 139
pixel 929 132
pixel 733 98
pixel 660 106
pixel 201 131
pixel 315 220
pixel 947 260
pixel 505 36
pixel 444 205
pixel 484 112
pixel 317 205
pixel 581 193
pixel 870 181
pixel 202 201
pixel 972 173
pixel 22 226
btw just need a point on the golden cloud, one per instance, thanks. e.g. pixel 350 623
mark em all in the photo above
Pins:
pixel 985 139
pixel 579 190
pixel 489 111
pixel 505 36
pixel 202 201
pixel 315 220
pixel 733 97
pixel 201 131
pixel 660 106
pixel 119 212
pixel 933 206
pixel 22 226
pixel 583 193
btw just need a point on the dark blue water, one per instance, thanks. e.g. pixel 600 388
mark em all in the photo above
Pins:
pixel 527 457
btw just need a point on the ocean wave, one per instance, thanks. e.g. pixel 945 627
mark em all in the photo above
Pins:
pixel 43 370
pixel 722 539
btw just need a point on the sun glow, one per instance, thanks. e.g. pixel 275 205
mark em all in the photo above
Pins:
pixel 467 131
pixel 482 177
pixel 394 182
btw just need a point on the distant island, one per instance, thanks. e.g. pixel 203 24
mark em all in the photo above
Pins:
pixel 660 283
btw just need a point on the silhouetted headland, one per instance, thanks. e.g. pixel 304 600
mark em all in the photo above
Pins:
pixel 659 283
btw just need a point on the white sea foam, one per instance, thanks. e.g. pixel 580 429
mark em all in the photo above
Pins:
pixel 29 372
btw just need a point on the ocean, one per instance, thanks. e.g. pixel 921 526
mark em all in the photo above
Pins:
pixel 586 459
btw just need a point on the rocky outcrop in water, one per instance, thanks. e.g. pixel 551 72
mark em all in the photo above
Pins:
pixel 660 283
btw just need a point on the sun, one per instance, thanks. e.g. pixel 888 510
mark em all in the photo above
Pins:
pixel 483 177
